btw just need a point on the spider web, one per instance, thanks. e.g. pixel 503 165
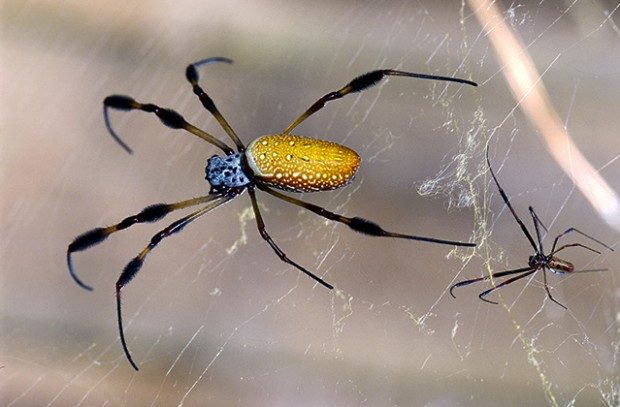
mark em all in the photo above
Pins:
pixel 214 318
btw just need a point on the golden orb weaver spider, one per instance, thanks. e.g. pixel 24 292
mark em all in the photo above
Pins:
pixel 539 260
pixel 284 161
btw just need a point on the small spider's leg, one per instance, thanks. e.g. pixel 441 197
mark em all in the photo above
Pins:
pixel 537 223
pixel 168 117
pixel 509 281
pixel 509 205
pixel 537 219
pixel 263 232
pixel 575 245
pixel 493 275
pixel 151 213
pixel 192 76
pixel 570 230
pixel 363 82
pixel 547 288
pixel 589 271
pixel 358 224
pixel 132 268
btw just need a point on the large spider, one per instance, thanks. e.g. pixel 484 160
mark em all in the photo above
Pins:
pixel 284 161
pixel 539 260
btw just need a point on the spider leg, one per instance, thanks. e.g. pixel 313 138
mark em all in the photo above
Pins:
pixel 132 268
pixel 589 271
pixel 547 288
pixel 575 245
pixel 535 216
pixel 192 76
pixel 361 83
pixel 263 232
pixel 509 205
pixel 168 117
pixel 358 224
pixel 570 230
pixel 537 223
pixel 494 275
pixel 149 214
pixel 509 281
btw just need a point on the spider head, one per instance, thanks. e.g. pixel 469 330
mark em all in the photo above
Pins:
pixel 537 260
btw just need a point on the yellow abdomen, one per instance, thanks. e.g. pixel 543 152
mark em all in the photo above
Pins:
pixel 301 164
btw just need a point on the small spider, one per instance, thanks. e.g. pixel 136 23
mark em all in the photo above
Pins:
pixel 284 161
pixel 538 261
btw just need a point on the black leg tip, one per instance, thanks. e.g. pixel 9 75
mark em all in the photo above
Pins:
pixel 468 82
pixel 213 59
pixel 133 364
pixel 481 296
pixel 125 147
pixel 120 327
pixel 557 302
pixel 451 291
pixel 466 244
pixel 74 276
pixel 327 285
pixel 192 75
pixel 108 126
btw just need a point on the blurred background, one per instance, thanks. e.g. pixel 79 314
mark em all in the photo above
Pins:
pixel 214 317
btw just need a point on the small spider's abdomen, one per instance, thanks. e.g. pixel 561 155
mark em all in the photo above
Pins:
pixel 301 164
pixel 560 266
